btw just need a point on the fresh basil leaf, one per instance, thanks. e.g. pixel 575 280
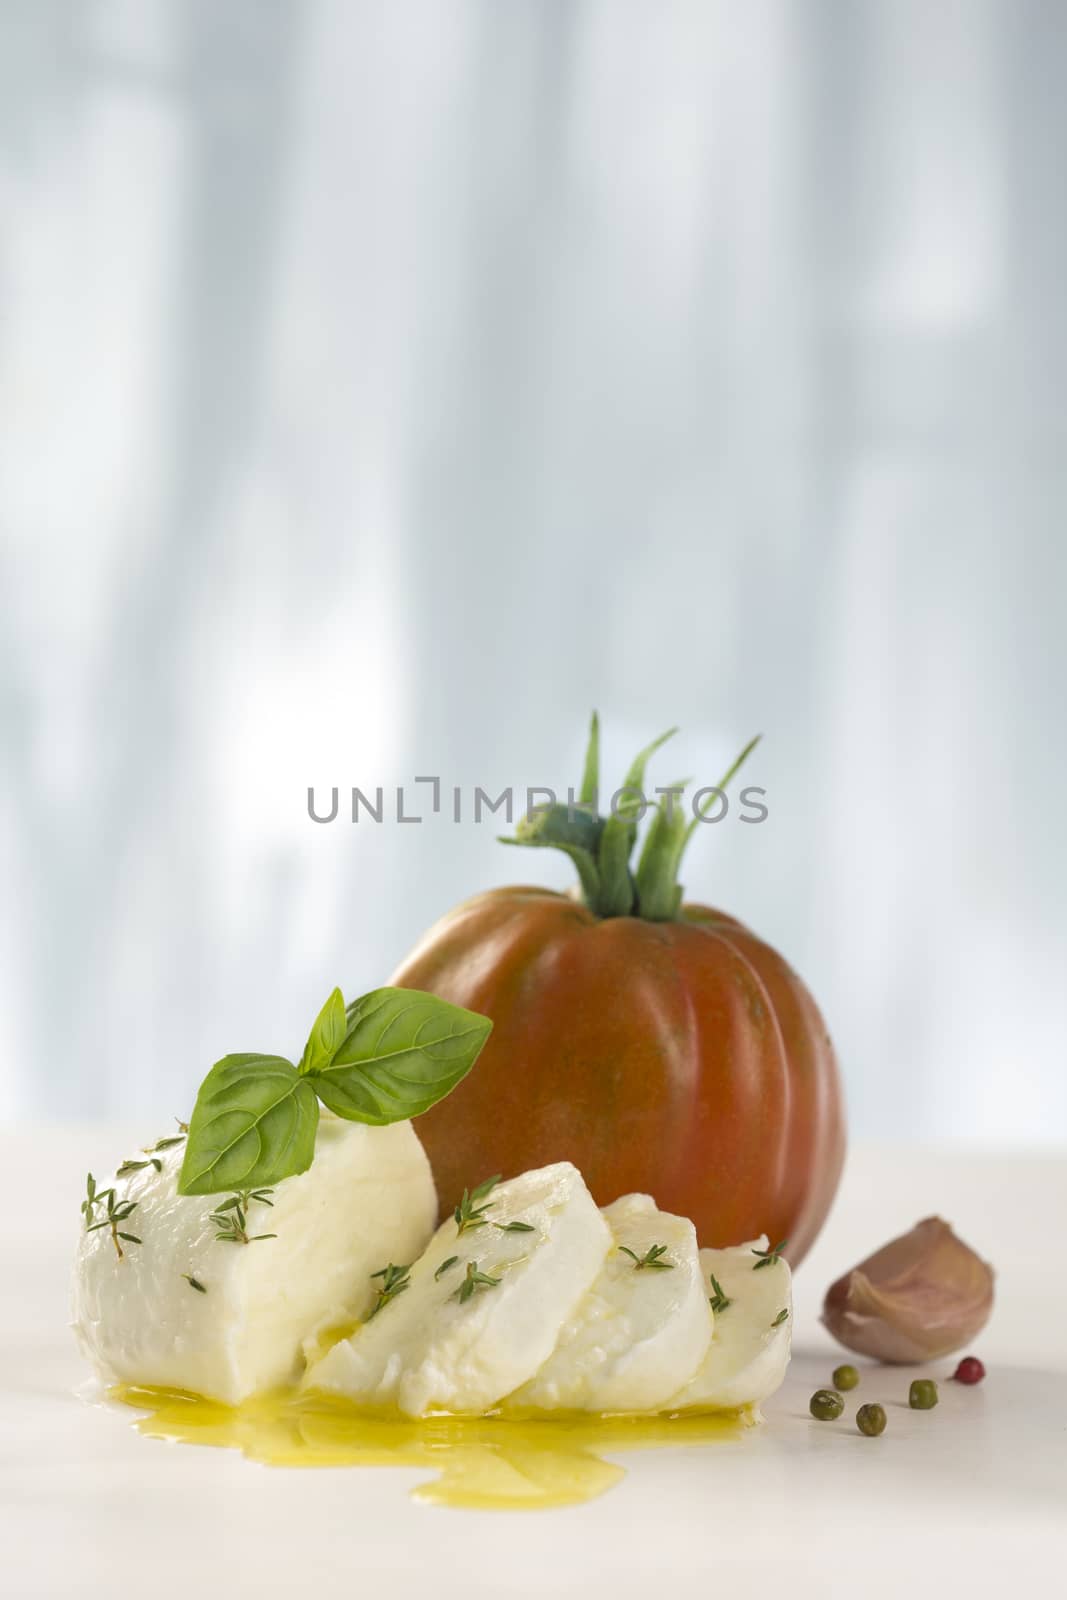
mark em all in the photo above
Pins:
pixel 403 1051
pixel 326 1036
pixel 253 1124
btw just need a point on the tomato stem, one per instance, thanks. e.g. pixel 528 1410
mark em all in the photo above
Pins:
pixel 659 894
pixel 591 774
pixel 601 846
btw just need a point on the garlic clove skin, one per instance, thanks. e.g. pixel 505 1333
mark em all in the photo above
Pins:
pixel 919 1297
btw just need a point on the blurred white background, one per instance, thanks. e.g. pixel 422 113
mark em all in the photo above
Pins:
pixel 383 385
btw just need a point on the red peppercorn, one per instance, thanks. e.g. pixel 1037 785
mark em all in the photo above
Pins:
pixel 970 1370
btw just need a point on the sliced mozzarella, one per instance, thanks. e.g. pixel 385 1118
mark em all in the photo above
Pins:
pixel 430 1350
pixel 640 1332
pixel 749 1350
pixel 368 1197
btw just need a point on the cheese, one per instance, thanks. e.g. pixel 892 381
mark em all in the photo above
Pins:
pixel 367 1198
pixel 748 1355
pixel 640 1332
pixel 429 1350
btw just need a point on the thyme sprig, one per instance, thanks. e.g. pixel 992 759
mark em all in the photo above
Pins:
pixel 231 1217
pixel 172 1138
pixel 768 1258
pixel 469 1214
pixel 117 1211
pixel 781 1317
pixel 93 1197
pixel 443 1268
pixel 151 1152
pixel 652 1260
pixel 474 1281
pixel 129 1167
pixel 394 1281
pixel 719 1300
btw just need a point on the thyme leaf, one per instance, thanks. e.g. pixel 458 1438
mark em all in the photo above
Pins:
pixel 117 1211
pixel 169 1142
pixel 93 1197
pixel 443 1268
pixel 719 1300
pixel 768 1258
pixel 194 1283
pixel 652 1260
pixel 469 1214
pixel 474 1281
pixel 129 1167
pixel 230 1217
pixel 394 1281
pixel 781 1317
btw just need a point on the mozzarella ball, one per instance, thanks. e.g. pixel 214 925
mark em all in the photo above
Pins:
pixel 367 1199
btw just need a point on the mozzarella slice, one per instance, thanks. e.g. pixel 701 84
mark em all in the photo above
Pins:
pixel 430 1350
pixel 640 1332
pixel 748 1354
pixel 368 1197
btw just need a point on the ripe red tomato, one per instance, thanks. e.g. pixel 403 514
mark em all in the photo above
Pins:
pixel 679 1056
pixel 681 1059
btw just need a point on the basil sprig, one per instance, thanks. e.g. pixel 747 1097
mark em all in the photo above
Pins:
pixel 390 1055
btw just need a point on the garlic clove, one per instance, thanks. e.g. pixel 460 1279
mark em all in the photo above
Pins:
pixel 918 1297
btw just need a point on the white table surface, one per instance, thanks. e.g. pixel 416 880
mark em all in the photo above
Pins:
pixel 969 1499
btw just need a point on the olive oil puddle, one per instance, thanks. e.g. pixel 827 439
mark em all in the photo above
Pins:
pixel 484 1463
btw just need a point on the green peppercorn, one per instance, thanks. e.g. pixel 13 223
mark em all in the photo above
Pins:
pixel 846 1378
pixel 825 1405
pixel 922 1396
pixel 871 1420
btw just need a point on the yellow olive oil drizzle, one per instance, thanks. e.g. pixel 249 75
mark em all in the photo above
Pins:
pixel 485 1463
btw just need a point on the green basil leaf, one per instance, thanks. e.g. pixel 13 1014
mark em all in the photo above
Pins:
pixel 253 1124
pixel 403 1051
pixel 326 1036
